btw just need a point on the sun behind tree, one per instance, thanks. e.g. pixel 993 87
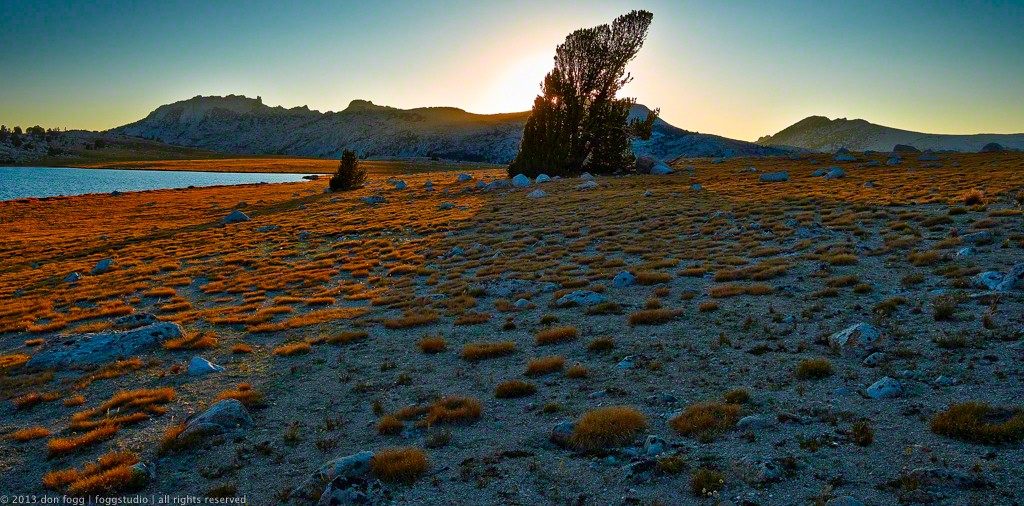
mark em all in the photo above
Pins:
pixel 578 123
pixel 350 175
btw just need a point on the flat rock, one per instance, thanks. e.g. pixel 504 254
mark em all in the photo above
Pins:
pixel 623 279
pixel 102 266
pixel 373 199
pixel 582 298
pixel 499 184
pixel 134 321
pixel 199 366
pixel 235 216
pixel 463 178
pixel 561 435
pixel 104 347
pixel 885 388
pixel 586 186
pixel 857 340
pixel 775 177
pixel 756 422
pixel 835 173
pixel 222 416
pixel 74 277
pixel 537 194
pixel 977 237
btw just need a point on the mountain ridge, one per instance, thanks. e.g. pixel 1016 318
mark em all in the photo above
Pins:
pixel 238 124
pixel 819 133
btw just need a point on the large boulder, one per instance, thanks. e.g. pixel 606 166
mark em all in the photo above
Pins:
pixel 463 178
pixel 1013 279
pixel 235 216
pixel 499 184
pixel 647 164
pixel 885 388
pixel 542 178
pixel 581 298
pixel 537 194
pixel 623 279
pixel 104 347
pixel 586 186
pixel 905 148
pixel 222 416
pixel 351 467
pixel 857 340
pixel 992 147
pixel 520 181
pixel 586 176
pixel 775 177
pixel 835 173
pixel 134 321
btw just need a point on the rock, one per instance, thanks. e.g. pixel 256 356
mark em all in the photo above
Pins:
pixel 561 435
pixel 750 170
pixel 351 467
pixel 102 266
pixel 235 216
pixel 928 158
pixel 103 347
pixel 522 304
pixel 977 237
pixel 988 280
pixel 446 206
pixel 875 359
pixel 116 193
pixel 689 168
pixel 904 148
pixel 351 491
pixel 134 321
pixel 654 446
pixel 222 416
pixel 661 170
pixel 586 186
pixel 520 181
pixel 582 298
pixel 268 228
pixel 843 500
pixel 199 366
pixel 1012 280
pixel 586 176
pixel 857 340
pixel 718 160
pixel 892 161
pixel 842 151
pixel 537 194
pixel 374 199
pixel 845 158
pixel 761 471
pixel 463 178
pixel 968 251
pixel 626 362
pixel 696 187
pixel 819 173
pixel 401 185
pixel 510 287
pixel 542 178
pixel 938 477
pixel 648 193
pixel 623 279
pixel 992 147
pixel 428 184
pixel 885 388
pixel 756 422
pixel 74 277
pixel 776 177
pixel 944 381
pixel 644 164
pixel 499 184
pixel 835 173
pixel 869 184
pixel 454 252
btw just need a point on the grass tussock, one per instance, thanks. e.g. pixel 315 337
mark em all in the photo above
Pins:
pixel 62 445
pixel 706 482
pixel 29 434
pixel 979 422
pixel 706 421
pixel 607 427
pixel 390 425
pixel 485 350
pixel 601 345
pixel 454 410
pixel 111 474
pixel 348 336
pixel 399 465
pixel 289 350
pixel 545 365
pixel 413 319
pixel 200 341
pixel 556 335
pixel 242 393
pixel 653 316
pixel 814 368
pixel 124 408
pixel 514 389
pixel 432 345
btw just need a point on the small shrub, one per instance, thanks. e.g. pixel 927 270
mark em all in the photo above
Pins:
pixel 484 350
pixel 241 349
pixel 242 393
pixel 601 344
pixel 979 422
pixel 841 259
pixel 431 345
pixel 973 197
pixel 454 410
pixel 61 445
pixel 412 319
pixel 545 365
pixel 292 349
pixel 29 434
pixel 604 308
pixel 706 482
pixel 389 425
pixel 708 307
pixel 577 371
pixel 814 368
pixel 923 258
pixel 652 278
pixel 348 336
pixel 653 316
pixel 706 421
pixel 862 434
pixel 514 389
pixel 944 309
pixel 607 427
pixel 738 396
pixel 556 335
pixel 401 465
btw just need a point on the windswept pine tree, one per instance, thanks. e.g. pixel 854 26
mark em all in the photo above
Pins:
pixel 578 123
pixel 349 175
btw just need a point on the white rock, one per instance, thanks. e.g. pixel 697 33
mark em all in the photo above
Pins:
pixel 988 280
pixel 885 388
pixel 857 339
pixel 199 366
pixel 1012 280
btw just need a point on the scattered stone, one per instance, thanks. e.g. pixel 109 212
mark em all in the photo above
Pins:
pixel 761 471
pixel 885 388
pixel 905 148
pixel 499 184
pixel 843 500
pixel 696 187
pixel 582 298
pixel 875 359
pixel 845 158
pixel 756 422
pixel 268 228
pixel 968 251
pixel 835 173
pixel 522 304
pixel 134 321
pixel 586 176
pixel 464 178
pixel 537 194
pixel 893 161
pixel 988 280
pixel 819 173
pixel 857 339
pixel 235 216
pixel 928 158
pixel 586 186
pixel 454 252
pixel 626 362
pixel 74 277
pixel 623 279
pixel 654 446
pixel 446 206
pixel 401 185
pixel 869 184
pixel 222 416
pixel 520 181
pixel 977 237
pixel 648 193
pixel 200 366
pixel 104 347
pixel 102 266
pixel 992 147
pixel 350 467
pixel 776 177
pixel 561 435
pixel 542 178
pixel 1013 279
pixel 374 199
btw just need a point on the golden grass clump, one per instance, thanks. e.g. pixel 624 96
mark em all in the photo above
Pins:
pixel 653 316
pixel 390 424
pixel 601 344
pixel 607 427
pixel 200 341
pixel 708 307
pixel 399 465
pixel 432 344
pixel 706 421
pixel 30 433
pixel 348 336
pixel 513 389
pixel 972 197
pixel 124 408
pixel 979 422
pixel 412 319
pixel 241 349
pixel 111 474
pixel 484 350
pixel 243 393
pixel 61 445
pixel 454 409
pixel 545 365
pixel 292 349
pixel 814 368
pixel 577 371
pixel 556 335
pixel 652 278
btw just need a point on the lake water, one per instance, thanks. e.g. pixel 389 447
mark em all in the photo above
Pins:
pixel 22 182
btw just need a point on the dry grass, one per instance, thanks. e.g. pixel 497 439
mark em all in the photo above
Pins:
pixel 514 389
pixel 111 474
pixel 289 350
pixel 201 341
pixel 413 319
pixel 814 368
pixel 61 445
pixel 484 350
pixel 545 365
pixel 652 278
pixel 653 316
pixel 556 335
pixel 431 345
pixel 706 421
pixel 577 371
pixel 29 434
pixel 608 427
pixel 706 482
pixel 124 408
pixel 389 425
pixel 399 465
pixel 454 410
pixel 601 344
pixel 347 337
pixel 241 349
pixel 244 394
pixel 979 422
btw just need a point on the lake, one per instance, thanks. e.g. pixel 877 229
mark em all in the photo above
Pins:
pixel 23 182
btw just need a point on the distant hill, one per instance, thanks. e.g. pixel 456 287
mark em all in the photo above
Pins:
pixel 238 124
pixel 818 133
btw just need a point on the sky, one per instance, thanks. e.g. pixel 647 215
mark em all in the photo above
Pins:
pixel 734 68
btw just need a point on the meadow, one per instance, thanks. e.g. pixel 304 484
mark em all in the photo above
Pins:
pixel 431 330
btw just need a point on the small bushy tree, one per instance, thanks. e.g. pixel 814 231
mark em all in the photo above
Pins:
pixel 578 123
pixel 350 175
